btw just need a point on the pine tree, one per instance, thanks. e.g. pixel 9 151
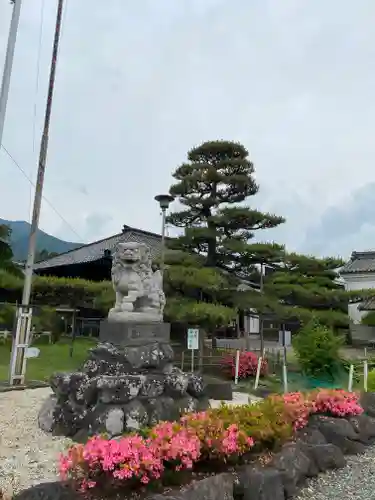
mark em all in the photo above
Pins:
pixel 306 287
pixel 214 248
pixel 212 186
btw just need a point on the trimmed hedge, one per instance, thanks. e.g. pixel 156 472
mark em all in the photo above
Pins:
pixel 62 291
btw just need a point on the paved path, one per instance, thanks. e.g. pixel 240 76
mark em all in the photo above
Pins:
pixel 239 398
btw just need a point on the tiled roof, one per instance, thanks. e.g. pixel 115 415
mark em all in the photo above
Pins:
pixel 96 250
pixel 368 305
pixel 360 262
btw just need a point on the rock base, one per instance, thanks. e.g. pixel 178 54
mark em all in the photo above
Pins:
pixel 121 389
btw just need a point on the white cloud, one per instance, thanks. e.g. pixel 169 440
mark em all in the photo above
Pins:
pixel 140 83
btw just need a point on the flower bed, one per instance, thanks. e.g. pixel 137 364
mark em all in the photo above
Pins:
pixel 225 435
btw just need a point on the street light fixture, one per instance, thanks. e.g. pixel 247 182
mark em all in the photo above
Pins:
pixel 164 201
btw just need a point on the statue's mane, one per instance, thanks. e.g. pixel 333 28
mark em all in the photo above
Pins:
pixel 141 266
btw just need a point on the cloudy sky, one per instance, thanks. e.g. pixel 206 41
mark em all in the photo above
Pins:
pixel 141 82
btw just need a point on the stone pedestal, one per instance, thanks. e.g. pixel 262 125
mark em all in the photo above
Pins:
pixel 127 383
pixel 128 334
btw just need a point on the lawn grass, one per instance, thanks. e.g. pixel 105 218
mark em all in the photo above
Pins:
pixel 52 358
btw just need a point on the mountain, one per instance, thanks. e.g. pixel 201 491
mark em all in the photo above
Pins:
pixel 20 240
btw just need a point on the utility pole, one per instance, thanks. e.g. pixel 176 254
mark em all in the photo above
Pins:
pixel 8 65
pixel 21 339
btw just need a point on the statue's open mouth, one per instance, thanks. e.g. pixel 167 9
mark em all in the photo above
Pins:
pixel 129 258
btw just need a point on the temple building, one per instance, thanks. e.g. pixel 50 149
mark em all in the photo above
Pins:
pixel 93 261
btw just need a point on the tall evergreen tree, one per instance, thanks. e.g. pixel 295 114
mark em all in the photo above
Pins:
pixel 212 187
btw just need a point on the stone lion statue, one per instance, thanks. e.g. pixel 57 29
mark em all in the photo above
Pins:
pixel 139 289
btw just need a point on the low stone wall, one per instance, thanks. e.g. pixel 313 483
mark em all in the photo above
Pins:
pixel 320 446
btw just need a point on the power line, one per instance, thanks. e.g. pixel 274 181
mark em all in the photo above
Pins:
pixel 44 198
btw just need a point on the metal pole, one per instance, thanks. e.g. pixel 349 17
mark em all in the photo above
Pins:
pixel 19 352
pixel 162 257
pixel 8 65
pixel 285 368
pixel 73 334
pixel 261 330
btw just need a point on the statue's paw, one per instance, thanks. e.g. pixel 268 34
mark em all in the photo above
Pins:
pixel 127 307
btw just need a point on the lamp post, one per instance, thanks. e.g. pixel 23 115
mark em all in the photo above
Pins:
pixel 164 201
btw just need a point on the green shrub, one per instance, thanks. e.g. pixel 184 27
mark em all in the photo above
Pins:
pixel 266 422
pixel 369 319
pixel 53 291
pixel 371 381
pixel 7 314
pixel 317 349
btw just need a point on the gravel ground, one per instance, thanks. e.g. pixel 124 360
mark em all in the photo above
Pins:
pixel 28 456
pixel 355 482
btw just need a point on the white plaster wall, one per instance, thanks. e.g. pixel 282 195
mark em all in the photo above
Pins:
pixel 355 315
pixel 358 282
pixel 251 323
pixel 254 324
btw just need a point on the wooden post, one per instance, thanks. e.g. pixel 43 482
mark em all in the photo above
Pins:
pixel 260 360
pixel 237 366
pixel 350 382
pixel 365 375
pixel 285 378
pixel 201 349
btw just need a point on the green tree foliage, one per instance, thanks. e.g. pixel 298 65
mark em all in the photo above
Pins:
pixel 304 287
pixel 7 313
pixel 371 381
pixel 6 254
pixel 60 291
pixel 317 349
pixel 195 293
pixel 44 255
pixel 214 247
pixel 197 313
pixel 47 319
pixel 369 319
pixel 211 187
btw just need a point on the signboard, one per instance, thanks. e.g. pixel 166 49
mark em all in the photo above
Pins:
pixel 285 337
pixel 32 352
pixel 193 339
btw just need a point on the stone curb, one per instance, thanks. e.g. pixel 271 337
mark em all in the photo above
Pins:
pixel 32 384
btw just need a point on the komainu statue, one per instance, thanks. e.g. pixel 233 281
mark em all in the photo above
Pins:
pixel 139 289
